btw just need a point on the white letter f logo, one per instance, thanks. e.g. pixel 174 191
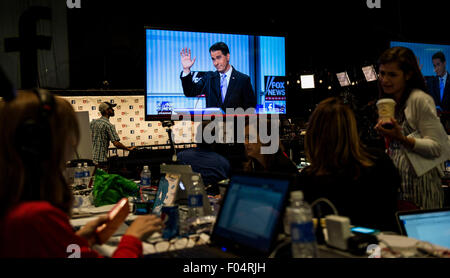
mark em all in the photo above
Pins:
pixel 73 4
pixel 374 4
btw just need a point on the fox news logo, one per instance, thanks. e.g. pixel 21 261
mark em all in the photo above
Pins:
pixel 275 86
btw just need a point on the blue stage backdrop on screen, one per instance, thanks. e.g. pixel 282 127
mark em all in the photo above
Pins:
pixel 424 52
pixel 257 56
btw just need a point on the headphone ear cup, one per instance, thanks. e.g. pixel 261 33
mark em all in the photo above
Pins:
pixel 33 140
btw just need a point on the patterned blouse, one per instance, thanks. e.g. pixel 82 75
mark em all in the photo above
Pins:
pixel 420 115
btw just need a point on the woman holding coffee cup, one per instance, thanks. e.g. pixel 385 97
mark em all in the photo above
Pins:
pixel 416 140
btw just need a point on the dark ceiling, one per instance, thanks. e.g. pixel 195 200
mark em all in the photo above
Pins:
pixel 106 38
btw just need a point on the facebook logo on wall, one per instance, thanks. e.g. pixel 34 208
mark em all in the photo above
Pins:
pixel 73 4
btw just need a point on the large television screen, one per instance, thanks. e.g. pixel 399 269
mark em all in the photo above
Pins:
pixel 424 53
pixel 259 61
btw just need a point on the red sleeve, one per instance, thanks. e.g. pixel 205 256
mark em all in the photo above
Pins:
pixel 129 247
pixel 37 229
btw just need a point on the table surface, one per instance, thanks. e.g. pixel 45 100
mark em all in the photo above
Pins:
pixel 390 246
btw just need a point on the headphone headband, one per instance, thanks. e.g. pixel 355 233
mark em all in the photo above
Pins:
pixel 33 137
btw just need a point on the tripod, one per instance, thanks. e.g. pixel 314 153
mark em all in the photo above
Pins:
pixel 169 124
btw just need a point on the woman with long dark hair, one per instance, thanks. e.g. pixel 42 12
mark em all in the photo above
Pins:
pixel 417 144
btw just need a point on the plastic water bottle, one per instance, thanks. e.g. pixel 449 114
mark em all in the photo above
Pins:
pixel 146 176
pixel 86 174
pixel 78 176
pixel 300 217
pixel 195 199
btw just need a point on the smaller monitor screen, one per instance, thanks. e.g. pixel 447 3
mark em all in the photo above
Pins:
pixel 424 53
pixel 432 70
pixel 343 79
pixel 307 81
pixel 369 73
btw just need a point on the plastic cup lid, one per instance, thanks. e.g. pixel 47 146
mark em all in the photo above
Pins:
pixel 386 100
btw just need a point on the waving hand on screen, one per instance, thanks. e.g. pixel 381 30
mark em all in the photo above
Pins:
pixel 186 60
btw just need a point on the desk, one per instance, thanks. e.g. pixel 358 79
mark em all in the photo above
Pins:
pixel 390 246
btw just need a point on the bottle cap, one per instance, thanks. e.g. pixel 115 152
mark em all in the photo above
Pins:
pixel 194 178
pixel 85 164
pixel 78 164
pixel 297 195
pixel 145 167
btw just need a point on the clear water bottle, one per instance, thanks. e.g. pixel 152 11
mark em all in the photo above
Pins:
pixel 195 199
pixel 78 176
pixel 300 217
pixel 146 176
pixel 86 174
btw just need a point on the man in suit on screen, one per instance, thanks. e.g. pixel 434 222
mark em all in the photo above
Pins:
pixel 439 85
pixel 224 88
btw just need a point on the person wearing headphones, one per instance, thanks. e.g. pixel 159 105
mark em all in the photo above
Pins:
pixel 40 132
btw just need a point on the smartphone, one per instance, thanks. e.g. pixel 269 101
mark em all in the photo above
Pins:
pixel 363 230
pixel 388 126
pixel 116 217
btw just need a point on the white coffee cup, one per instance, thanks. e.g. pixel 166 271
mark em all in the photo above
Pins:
pixel 386 109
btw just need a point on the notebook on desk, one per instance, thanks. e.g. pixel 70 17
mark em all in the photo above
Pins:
pixel 426 225
pixel 249 220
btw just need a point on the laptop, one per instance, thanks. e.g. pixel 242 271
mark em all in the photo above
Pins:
pixel 431 225
pixel 249 220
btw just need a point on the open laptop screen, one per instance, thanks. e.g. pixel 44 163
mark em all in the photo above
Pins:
pixel 251 211
pixel 431 226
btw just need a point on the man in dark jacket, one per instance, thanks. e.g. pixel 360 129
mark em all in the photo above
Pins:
pixel 224 88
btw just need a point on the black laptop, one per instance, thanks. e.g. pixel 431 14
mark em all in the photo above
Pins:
pixel 431 225
pixel 249 219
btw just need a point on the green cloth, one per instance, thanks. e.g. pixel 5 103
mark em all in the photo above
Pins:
pixel 110 188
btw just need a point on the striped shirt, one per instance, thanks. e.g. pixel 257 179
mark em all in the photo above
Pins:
pixel 424 191
pixel 102 132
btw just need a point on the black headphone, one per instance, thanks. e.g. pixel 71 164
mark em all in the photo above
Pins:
pixel 33 137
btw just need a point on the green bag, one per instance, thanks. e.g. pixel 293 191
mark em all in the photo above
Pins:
pixel 110 188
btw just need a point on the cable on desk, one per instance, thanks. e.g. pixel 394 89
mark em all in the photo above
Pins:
pixel 285 242
pixel 328 202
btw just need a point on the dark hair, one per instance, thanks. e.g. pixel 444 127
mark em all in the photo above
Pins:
pixel 220 46
pixel 439 55
pixel 407 62
pixel 332 143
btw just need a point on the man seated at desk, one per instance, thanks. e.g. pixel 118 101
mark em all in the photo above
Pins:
pixel 212 166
